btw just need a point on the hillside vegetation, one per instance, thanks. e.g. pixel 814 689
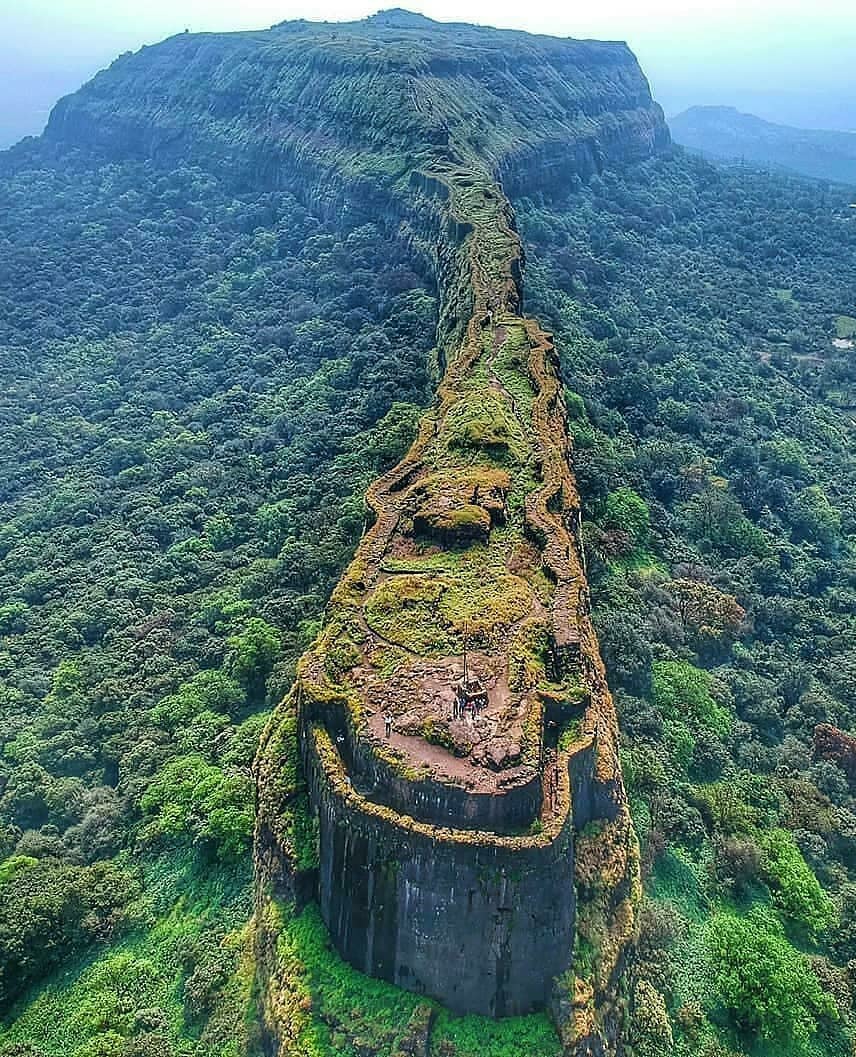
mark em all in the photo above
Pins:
pixel 714 435
pixel 723 132
pixel 215 332
pixel 197 389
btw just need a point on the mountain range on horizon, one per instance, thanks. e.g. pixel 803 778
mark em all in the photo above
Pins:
pixel 725 133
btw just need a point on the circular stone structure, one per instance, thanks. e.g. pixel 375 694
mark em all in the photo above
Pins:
pixel 456 734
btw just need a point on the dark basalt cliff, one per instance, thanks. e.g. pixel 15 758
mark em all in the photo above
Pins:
pixel 463 855
pixel 370 100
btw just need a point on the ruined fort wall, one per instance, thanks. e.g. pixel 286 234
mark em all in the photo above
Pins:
pixel 594 797
pixel 420 796
pixel 437 802
pixel 481 924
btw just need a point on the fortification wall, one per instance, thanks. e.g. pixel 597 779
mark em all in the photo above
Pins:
pixel 482 924
pixel 436 802
pixel 425 799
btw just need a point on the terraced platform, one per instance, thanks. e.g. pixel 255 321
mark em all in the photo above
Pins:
pixel 464 854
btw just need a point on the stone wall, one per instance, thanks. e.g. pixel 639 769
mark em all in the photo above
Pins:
pixel 593 798
pixel 483 925
pixel 424 798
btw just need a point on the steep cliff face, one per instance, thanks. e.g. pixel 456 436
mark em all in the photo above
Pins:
pixel 370 100
pixel 444 778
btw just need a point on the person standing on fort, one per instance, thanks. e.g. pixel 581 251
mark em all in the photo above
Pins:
pixel 387 725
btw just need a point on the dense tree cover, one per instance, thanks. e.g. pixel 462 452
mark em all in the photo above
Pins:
pixel 195 389
pixel 712 414
pixel 763 982
pixel 47 909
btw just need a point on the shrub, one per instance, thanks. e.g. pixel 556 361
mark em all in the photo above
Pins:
pixel 682 692
pixel 49 911
pixel 651 1030
pixel 195 800
pixel 764 983
pixel 796 890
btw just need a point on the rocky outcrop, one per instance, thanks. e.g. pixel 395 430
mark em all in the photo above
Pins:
pixel 444 776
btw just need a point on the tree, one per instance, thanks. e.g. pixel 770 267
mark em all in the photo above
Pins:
pixel 707 614
pixel 626 649
pixel 765 985
pixel 253 653
pixel 194 800
pixel 628 511
pixel 715 520
pixel 682 692
pixel 815 519
pixel 50 910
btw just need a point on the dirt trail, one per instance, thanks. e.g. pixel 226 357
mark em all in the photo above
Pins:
pixel 489 751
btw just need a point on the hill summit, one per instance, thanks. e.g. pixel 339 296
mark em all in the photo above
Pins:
pixel 726 133
pixel 370 100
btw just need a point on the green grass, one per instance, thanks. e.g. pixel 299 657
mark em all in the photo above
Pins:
pixel 426 613
pixel 570 734
pixel 845 326
pixel 345 1014
pixel 344 1007
pixel 532 1036
pixel 481 421
pixel 639 561
pixel 679 880
pixel 511 369
pixel 133 989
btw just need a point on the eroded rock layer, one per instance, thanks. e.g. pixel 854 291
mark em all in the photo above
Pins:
pixel 468 854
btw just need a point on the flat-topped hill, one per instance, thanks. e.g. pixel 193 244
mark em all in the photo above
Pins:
pixel 369 98
pixel 458 787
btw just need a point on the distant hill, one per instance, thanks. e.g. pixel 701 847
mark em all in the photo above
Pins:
pixel 723 132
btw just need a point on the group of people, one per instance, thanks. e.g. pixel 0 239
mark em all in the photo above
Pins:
pixel 462 704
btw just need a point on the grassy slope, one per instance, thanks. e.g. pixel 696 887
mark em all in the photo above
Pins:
pixel 134 995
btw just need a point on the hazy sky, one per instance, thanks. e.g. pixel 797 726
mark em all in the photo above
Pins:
pixel 787 60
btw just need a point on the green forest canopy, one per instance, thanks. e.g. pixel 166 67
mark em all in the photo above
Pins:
pixel 703 397
pixel 195 388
